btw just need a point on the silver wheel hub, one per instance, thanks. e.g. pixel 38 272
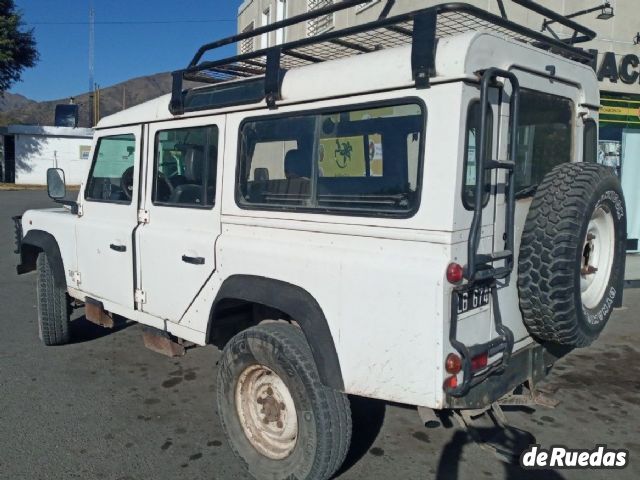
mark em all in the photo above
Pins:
pixel 267 412
pixel 597 257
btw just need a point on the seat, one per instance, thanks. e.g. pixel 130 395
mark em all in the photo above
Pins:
pixel 191 191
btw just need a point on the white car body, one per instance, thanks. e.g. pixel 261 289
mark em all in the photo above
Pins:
pixel 380 282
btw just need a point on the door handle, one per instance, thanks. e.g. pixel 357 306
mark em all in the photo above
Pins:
pixel 118 248
pixel 193 260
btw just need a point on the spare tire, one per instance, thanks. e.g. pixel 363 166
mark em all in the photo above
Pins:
pixel 572 254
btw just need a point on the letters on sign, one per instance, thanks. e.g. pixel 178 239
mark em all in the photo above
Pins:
pixel 626 69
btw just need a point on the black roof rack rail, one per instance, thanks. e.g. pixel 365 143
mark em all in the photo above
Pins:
pixel 419 28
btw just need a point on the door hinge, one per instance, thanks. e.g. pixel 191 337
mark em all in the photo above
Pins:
pixel 75 277
pixel 143 216
pixel 140 296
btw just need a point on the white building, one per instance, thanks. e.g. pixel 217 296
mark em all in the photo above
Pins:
pixel 30 150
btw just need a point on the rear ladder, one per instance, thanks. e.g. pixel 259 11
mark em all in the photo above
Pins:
pixel 480 266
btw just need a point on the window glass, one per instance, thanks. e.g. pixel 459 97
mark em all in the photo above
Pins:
pixel 544 138
pixel 472 153
pixel 350 160
pixel 186 166
pixel 111 176
pixel 590 142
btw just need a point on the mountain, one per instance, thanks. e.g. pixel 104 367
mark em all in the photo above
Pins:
pixel 17 109
pixel 12 101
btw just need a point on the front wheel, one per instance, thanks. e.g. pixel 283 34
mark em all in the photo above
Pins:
pixel 54 306
pixel 278 417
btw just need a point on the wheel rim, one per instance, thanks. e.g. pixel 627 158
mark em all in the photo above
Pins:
pixel 597 257
pixel 267 412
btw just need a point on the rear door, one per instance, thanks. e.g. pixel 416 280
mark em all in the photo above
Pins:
pixel 181 214
pixel 546 138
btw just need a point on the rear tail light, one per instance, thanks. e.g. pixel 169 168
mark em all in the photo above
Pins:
pixel 455 273
pixel 453 364
pixel 480 361
pixel 451 382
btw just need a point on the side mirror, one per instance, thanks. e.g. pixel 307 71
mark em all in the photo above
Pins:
pixel 56 187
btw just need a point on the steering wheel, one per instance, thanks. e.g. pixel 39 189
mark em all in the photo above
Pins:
pixel 126 183
pixel 164 187
pixel 163 183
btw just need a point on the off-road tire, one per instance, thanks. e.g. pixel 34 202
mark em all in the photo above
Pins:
pixel 54 306
pixel 324 415
pixel 552 249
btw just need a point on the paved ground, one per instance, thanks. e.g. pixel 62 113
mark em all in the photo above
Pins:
pixel 632 272
pixel 106 408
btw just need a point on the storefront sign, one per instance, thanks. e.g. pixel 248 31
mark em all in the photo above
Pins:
pixel 626 70
pixel 619 110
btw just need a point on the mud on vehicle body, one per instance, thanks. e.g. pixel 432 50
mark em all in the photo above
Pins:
pixel 407 210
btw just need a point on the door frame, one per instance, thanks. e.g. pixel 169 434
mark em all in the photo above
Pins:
pixel 100 209
pixel 156 210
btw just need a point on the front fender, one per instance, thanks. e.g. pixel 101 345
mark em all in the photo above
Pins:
pixel 34 242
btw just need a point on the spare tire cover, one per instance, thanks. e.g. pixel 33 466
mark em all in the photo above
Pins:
pixel 572 254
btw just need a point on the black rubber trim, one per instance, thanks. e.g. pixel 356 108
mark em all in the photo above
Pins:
pixel 42 241
pixel 297 303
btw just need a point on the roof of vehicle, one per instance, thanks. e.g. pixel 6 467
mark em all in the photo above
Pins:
pixel 457 57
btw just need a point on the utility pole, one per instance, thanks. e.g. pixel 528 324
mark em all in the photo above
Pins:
pixel 92 18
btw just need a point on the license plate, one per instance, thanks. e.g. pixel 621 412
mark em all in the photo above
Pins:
pixel 473 298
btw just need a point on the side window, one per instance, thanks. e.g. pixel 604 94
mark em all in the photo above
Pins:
pixel 472 146
pixel 590 146
pixel 360 160
pixel 111 177
pixel 185 167
pixel 544 138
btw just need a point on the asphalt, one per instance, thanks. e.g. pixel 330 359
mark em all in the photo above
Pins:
pixel 106 408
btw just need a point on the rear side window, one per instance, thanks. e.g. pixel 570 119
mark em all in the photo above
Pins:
pixel 590 147
pixel 111 178
pixel 472 153
pixel 364 160
pixel 544 138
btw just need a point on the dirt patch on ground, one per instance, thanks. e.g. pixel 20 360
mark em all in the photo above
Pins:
pixel 9 187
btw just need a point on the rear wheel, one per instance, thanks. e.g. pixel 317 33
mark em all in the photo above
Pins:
pixel 278 417
pixel 572 254
pixel 54 306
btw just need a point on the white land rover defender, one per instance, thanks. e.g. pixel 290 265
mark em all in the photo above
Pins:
pixel 409 210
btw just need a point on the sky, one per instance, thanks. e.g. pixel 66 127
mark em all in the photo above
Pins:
pixel 132 38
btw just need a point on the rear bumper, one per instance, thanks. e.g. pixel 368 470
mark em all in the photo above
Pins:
pixel 530 363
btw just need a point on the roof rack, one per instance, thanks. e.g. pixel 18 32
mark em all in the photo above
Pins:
pixel 419 28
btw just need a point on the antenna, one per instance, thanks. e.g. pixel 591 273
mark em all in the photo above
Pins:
pixel 92 40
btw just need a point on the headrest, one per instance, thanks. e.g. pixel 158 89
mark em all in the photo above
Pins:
pixel 193 165
pixel 296 165
pixel 261 174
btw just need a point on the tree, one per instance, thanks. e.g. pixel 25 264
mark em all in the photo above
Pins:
pixel 17 47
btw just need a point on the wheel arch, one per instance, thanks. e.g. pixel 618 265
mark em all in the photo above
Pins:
pixel 35 242
pixel 295 302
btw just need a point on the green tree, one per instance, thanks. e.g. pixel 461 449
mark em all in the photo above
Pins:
pixel 17 46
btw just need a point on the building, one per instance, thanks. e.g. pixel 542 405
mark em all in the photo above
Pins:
pixel 28 151
pixel 617 65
